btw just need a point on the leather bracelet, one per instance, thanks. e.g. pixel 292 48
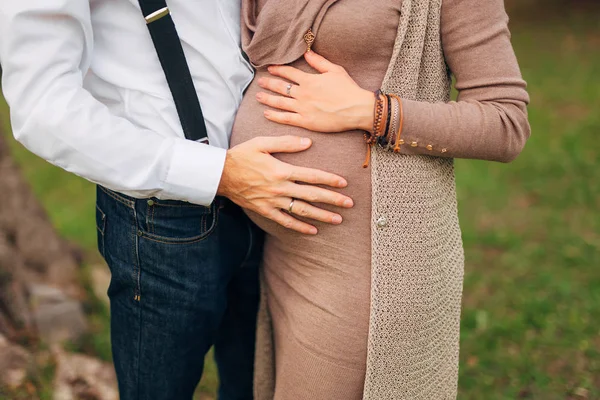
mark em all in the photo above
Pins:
pixel 391 134
pixel 388 113
pixel 384 116
pixel 399 140
pixel 394 119
pixel 378 118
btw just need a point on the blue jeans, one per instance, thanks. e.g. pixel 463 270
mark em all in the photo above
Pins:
pixel 184 278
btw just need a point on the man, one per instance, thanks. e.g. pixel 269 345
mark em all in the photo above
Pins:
pixel 87 93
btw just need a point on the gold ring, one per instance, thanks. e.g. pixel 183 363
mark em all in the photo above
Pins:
pixel 288 90
pixel 291 205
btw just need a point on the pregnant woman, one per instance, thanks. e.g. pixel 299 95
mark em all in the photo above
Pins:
pixel 370 308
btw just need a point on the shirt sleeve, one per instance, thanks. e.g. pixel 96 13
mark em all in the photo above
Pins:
pixel 489 119
pixel 45 48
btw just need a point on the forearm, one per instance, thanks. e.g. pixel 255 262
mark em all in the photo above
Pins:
pixel 489 120
pixel 494 131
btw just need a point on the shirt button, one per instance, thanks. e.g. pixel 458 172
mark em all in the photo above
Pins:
pixel 382 222
pixel 150 203
pixel 429 147
pixel 444 150
pixel 414 144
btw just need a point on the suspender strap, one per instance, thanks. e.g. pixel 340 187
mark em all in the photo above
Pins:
pixel 172 59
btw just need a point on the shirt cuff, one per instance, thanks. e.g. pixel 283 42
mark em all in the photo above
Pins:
pixel 195 172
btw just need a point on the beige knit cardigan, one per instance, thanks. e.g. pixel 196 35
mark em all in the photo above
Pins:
pixel 416 283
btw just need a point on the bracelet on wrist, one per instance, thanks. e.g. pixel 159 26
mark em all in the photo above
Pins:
pixel 380 118
pixel 388 121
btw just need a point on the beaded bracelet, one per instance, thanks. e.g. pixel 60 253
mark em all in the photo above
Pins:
pixel 379 109
pixel 380 117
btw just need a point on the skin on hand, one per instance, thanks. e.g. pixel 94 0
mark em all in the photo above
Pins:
pixel 326 102
pixel 255 180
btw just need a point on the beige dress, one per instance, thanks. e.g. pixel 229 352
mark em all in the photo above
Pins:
pixel 319 286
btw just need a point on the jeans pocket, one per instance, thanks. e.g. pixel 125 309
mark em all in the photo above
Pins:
pixel 178 222
pixel 100 228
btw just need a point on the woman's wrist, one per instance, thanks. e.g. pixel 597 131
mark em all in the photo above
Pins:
pixel 363 114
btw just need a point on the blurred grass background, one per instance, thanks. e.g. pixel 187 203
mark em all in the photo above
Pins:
pixel 531 315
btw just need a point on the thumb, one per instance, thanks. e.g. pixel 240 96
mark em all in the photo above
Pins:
pixel 281 144
pixel 318 62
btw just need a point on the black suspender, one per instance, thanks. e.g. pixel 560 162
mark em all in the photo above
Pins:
pixel 172 59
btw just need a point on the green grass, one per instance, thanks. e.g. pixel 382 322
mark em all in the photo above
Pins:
pixel 531 316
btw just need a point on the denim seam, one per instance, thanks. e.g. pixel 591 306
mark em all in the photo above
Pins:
pixel 152 220
pixel 190 205
pixel 137 273
pixel 101 244
pixel 147 225
pixel 115 196
pixel 196 239
pixel 101 229
pixel 136 261
pixel 139 352
pixel 103 221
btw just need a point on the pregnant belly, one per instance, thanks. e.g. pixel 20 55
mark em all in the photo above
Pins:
pixel 339 153
pixel 325 276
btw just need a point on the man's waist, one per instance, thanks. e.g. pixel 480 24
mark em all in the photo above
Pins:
pixel 128 200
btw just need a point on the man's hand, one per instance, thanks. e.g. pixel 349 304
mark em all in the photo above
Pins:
pixel 254 179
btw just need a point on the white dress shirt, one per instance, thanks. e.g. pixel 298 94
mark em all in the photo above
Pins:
pixel 87 92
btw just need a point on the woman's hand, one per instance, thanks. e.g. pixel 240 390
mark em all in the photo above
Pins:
pixel 326 102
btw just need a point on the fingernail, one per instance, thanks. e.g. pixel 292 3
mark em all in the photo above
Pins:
pixel 270 69
pixel 261 81
pixel 336 219
pixel 348 203
pixel 342 183
pixel 313 231
pixel 259 96
pixel 305 141
pixel 267 113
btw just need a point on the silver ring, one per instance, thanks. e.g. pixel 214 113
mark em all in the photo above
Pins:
pixel 291 205
pixel 288 90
